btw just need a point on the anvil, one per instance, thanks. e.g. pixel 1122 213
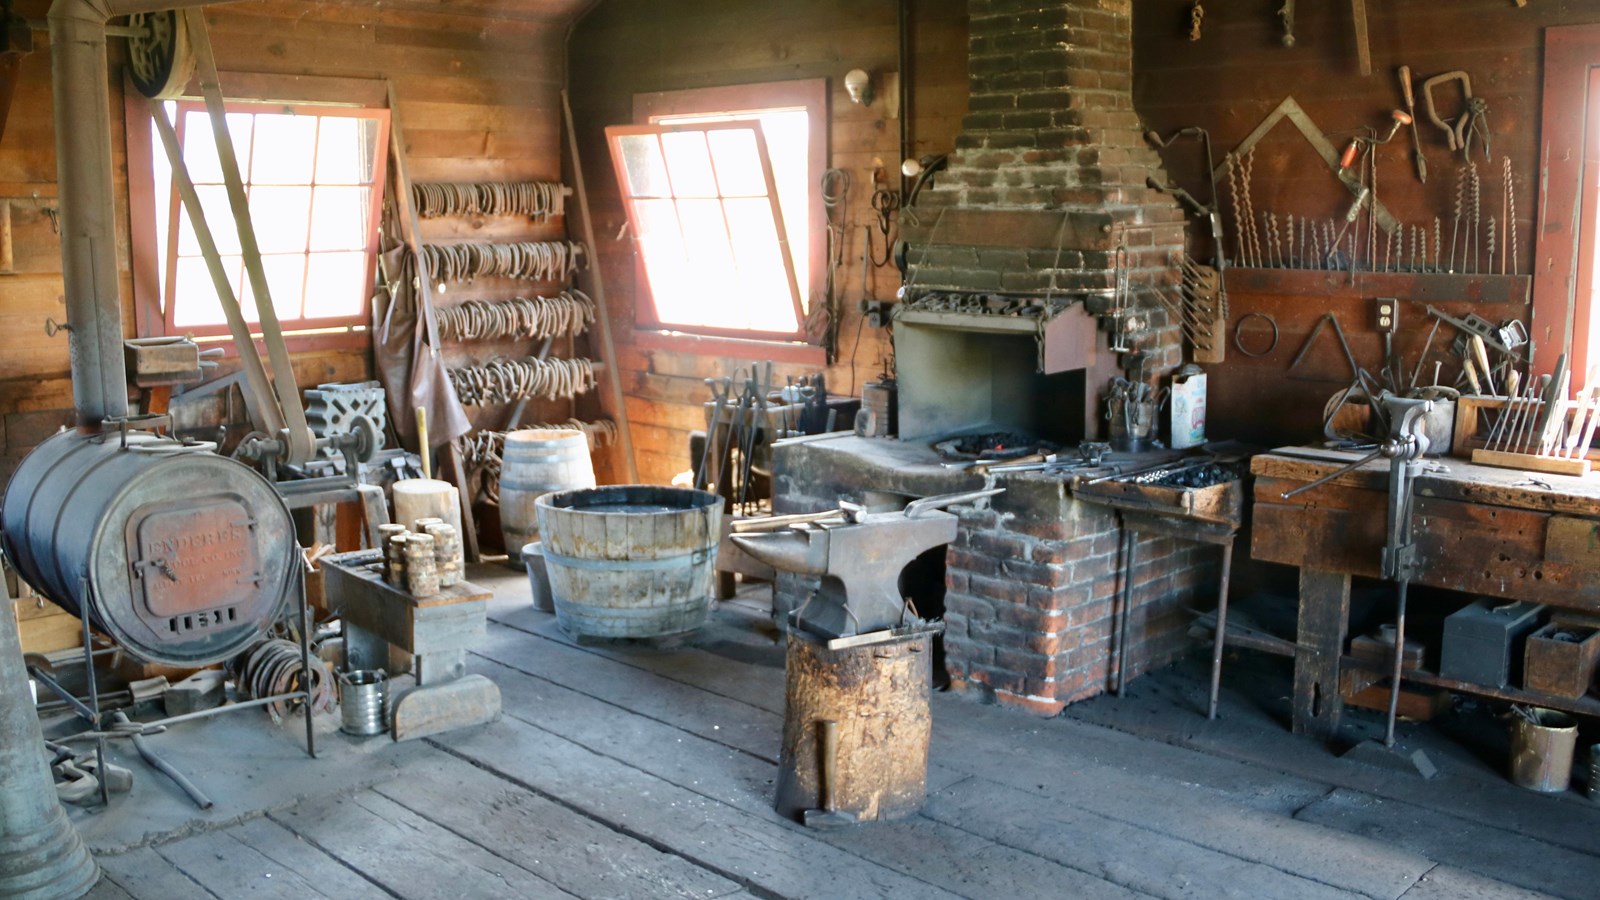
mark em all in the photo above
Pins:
pixel 859 563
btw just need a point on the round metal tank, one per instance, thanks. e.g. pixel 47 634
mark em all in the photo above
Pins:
pixel 181 555
pixel 630 560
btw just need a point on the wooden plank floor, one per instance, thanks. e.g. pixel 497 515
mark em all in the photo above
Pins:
pixel 627 771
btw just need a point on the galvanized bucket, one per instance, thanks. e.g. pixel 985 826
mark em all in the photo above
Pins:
pixel 361 699
pixel 534 464
pixel 631 560
pixel 1542 745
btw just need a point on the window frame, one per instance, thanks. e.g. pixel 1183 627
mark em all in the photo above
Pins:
pixel 257 93
pixel 1565 303
pixel 812 95
pixel 651 316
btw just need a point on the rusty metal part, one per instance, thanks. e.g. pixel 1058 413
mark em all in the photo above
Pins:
pixel 182 555
pixel 1456 135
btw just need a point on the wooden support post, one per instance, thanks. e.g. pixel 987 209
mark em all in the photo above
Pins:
pixel 1358 12
pixel 613 400
pixel 1324 619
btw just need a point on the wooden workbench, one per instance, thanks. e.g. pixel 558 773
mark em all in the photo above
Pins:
pixel 1479 530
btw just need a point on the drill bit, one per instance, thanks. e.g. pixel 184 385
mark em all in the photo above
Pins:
pixel 1511 216
pixel 1475 237
pixel 1491 249
pixel 1455 227
pixel 1438 241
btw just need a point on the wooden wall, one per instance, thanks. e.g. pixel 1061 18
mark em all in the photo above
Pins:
pixel 626 47
pixel 1238 72
pixel 479 99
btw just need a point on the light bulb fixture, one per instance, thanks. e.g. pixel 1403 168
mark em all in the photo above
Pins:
pixel 858 84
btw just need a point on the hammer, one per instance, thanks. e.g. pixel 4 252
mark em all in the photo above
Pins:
pixel 828 759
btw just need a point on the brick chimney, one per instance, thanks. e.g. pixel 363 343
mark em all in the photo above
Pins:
pixel 1051 129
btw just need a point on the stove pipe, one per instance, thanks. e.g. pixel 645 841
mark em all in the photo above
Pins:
pixel 88 211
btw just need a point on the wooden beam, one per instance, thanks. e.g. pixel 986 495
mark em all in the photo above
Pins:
pixel 618 408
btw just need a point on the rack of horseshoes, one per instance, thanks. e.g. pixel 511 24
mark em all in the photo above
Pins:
pixel 538 200
pixel 510 380
pixel 567 314
pixel 527 260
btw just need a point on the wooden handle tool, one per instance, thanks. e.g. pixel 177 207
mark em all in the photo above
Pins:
pixel 1480 354
pixel 423 450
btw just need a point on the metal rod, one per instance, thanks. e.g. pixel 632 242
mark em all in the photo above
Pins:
pixel 1130 543
pixel 230 707
pixel 1399 662
pixel 160 765
pixel 77 705
pixel 1222 628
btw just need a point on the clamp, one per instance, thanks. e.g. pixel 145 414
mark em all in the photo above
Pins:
pixel 1473 118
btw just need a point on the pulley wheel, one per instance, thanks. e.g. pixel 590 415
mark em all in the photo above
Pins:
pixel 160 61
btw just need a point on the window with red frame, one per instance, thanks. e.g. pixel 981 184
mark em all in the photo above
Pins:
pixel 314 179
pixel 720 188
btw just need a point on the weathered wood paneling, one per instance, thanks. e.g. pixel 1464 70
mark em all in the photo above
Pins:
pixel 627 47
pixel 1239 71
pixel 479 88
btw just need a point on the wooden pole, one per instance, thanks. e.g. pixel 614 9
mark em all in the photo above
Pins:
pixel 597 289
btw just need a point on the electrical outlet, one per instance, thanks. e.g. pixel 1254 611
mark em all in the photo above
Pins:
pixel 1388 315
pixel 876 312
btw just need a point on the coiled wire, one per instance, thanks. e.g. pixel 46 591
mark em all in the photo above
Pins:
pixel 509 380
pixel 531 260
pixel 273 667
pixel 568 313
pixel 539 200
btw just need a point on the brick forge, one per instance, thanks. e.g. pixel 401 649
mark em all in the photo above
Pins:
pixel 1031 582
pixel 1031 600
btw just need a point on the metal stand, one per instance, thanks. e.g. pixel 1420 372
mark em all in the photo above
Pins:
pixel 91 712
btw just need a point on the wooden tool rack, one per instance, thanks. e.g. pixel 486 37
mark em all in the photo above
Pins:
pixel 1480 530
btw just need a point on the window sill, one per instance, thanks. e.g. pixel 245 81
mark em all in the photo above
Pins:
pixel 735 348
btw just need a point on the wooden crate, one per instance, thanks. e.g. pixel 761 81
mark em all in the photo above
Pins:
pixel 1562 668
pixel 1222 503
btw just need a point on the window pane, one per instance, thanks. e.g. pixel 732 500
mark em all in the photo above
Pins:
pixel 689 164
pixel 281 216
pixel 200 151
pixel 710 257
pixel 285 273
pixel 335 285
pixel 339 218
pixel 788 141
pixel 762 279
pixel 195 301
pixel 219 218
pixel 665 260
pixel 647 172
pixel 738 163
pixel 345 150
pixel 284 148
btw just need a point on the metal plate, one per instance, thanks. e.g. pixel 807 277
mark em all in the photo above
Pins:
pixel 186 557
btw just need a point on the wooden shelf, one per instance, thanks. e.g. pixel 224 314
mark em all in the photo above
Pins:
pixel 1434 287
pixel 1587 705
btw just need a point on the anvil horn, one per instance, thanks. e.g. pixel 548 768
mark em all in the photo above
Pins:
pixel 787 551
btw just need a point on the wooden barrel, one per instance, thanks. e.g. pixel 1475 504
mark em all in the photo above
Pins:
pixel 536 463
pixel 630 561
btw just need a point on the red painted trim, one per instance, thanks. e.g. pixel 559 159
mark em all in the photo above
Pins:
pixel 731 348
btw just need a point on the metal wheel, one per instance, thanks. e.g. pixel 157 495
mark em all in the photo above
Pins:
pixel 160 60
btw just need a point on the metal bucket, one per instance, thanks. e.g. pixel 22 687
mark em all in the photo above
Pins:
pixel 631 560
pixel 361 699
pixel 1541 751
pixel 538 576
pixel 182 555
pixel 536 463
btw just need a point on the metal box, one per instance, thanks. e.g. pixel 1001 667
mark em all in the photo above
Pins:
pixel 1484 640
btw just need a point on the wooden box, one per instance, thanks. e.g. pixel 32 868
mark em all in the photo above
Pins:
pixel 1562 666
pixel 1222 503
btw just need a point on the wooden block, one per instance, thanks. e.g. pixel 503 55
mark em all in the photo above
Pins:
pixel 1531 463
pixel 1573 541
pixel 1416 704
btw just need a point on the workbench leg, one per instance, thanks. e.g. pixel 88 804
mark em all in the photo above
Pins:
pixel 1324 619
pixel 1222 630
